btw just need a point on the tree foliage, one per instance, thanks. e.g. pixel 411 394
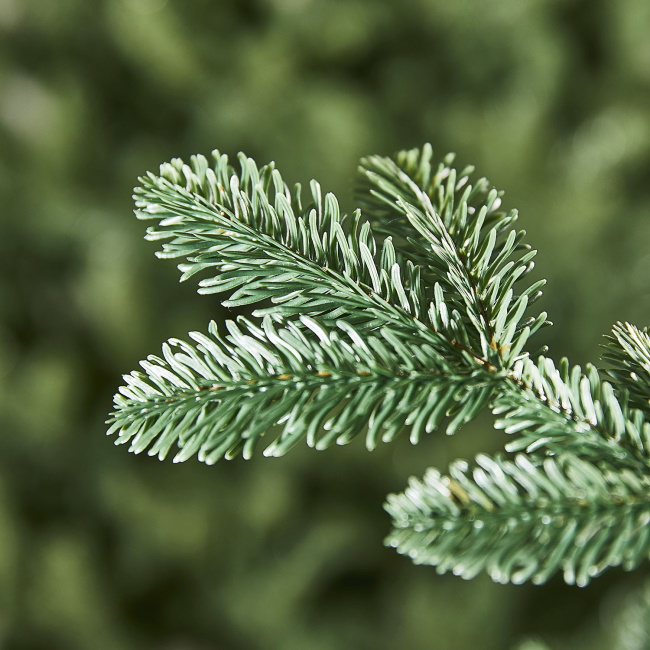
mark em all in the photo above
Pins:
pixel 411 314
pixel 524 519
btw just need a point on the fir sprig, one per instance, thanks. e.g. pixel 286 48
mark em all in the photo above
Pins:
pixel 563 409
pixel 628 352
pixel 259 241
pixel 456 231
pixel 225 394
pixel 409 316
pixel 524 519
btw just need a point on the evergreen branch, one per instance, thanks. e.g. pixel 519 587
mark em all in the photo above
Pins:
pixel 628 351
pixel 565 410
pixel 524 520
pixel 261 243
pixel 367 338
pixel 456 231
pixel 222 395
pixel 411 172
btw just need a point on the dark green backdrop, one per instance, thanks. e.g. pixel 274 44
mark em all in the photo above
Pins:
pixel 101 550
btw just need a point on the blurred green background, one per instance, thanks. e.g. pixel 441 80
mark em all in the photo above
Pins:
pixel 102 550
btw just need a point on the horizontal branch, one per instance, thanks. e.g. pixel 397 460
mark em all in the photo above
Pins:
pixel 524 520
pixel 223 396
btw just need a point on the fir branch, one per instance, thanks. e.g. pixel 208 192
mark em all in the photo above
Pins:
pixel 524 520
pixel 410 172
pixel 562 409
pixel 628 351
pixel 260 242
pixel 222 395
pixel 457 232
pixel 365 337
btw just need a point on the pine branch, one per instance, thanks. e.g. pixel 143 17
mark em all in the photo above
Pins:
pixel 263 243
pixel 411 172
pixel 524 520
pixel 456 231
pixel 628 351
pixel 223 395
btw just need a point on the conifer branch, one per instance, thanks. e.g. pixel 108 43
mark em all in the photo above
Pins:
pixel 457 232
pixel 602 451
pixel 628 352
pixel 524 519
pixel 260 242
pixel 565 410
pixel 224 395
pixel 369 337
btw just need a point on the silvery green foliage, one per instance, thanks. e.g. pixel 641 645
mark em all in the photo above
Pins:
pixel 524 519
pixel 628 352
pixel 224 394
pixel 409 315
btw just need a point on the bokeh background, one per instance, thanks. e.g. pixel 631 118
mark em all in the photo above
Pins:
pixel 102 550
